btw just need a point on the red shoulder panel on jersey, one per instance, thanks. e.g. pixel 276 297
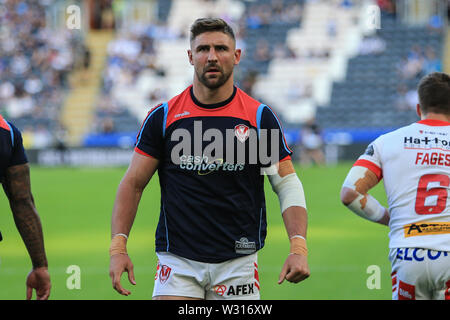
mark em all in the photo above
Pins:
pixel 182 106
pixel 371 166
pixel 3 123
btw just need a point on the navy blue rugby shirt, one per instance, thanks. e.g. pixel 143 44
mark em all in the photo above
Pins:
pixel 212 192
pixel 11 148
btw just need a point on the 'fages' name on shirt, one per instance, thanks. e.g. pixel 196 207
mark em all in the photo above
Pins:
pixel 432 158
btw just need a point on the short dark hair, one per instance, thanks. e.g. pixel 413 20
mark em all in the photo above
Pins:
pixel 434 93
pixel 210 24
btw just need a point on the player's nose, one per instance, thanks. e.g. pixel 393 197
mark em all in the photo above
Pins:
pixel 212 56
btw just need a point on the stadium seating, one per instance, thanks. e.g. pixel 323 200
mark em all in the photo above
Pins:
pixel 320 44
pixel 370 93
pixel 163 7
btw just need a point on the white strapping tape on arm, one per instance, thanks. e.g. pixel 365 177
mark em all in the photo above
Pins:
pixel 372 209
pixel 355 173
pixel 289 190
pixel 366 206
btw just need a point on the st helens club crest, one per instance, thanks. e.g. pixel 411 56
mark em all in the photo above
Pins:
pixel 241 132
pixel 164 273
pixel 220 289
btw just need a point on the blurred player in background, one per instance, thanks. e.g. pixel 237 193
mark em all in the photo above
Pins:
pixel 213 216
pixel 312 145
pixel 415 164
pixel 15 177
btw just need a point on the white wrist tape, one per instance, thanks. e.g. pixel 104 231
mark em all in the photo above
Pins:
pixel 297 236
pixel 367 207
pixel 121 234
pixel 289 190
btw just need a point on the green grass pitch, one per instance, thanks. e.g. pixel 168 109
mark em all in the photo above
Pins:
pixel 75 207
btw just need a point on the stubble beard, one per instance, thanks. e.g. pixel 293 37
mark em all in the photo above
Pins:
pixel 213 83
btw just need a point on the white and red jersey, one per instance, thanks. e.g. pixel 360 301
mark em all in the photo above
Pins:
pixel 414 162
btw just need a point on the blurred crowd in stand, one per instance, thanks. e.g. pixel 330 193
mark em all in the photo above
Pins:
pixel 34 66
pixel 130 54
pixel 417 63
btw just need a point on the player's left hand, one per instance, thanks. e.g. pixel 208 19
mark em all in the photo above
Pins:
pixel 39 279
pixel 295 269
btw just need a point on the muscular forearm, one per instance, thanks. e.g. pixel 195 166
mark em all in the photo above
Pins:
pixel 129 193
pixel 18 189
pixel 296 221
pixel 125 208
pixel 29 226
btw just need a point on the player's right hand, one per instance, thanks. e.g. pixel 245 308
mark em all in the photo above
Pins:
pixel 38 279
pixel 295 269
pixel 118 264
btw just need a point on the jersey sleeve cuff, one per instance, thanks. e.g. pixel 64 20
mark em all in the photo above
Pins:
pixel 137 150
pixel 371 166
pixel 288 157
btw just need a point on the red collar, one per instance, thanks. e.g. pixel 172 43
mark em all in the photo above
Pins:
pixel 434 122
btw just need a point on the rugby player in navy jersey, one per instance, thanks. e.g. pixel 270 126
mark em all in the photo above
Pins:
pixel 15 178
pixel 213 213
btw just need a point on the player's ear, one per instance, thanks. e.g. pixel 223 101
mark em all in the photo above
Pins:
pixel 419 112
pixel 191 61
pixel 237 56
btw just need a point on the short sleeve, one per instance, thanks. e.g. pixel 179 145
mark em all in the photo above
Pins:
pixel 18 155
pixel 271 137
pixel 370 159
pixel 150 138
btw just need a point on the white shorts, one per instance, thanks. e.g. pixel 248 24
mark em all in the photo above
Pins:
pixel 233 279
pixel 420 274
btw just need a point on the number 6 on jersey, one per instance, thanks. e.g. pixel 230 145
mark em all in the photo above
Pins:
pixel 432 185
